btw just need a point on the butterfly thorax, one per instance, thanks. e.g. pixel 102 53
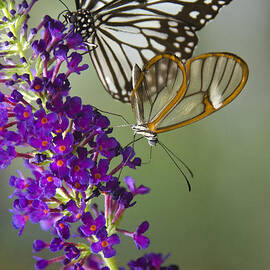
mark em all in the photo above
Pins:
pixel 147 133
pixel 83 22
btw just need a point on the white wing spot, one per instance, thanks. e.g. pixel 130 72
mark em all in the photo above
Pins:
pixel 190 44
pixel 180 39
pixel 189 33
pixel 176 45
pixel 215 8
pixel 178 54
pixel 187 50
pixel 194 14
pixel 207 2
pixel 202 21
pixel 172 23
pixel 208 16
pixel 172 29
pixel 221 2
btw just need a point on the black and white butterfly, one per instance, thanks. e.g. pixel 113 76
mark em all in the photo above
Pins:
pixel 132 32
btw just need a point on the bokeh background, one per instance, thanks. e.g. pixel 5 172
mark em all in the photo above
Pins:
pixel 224 223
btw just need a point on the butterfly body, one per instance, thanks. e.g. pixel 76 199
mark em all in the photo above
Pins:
pixel 132 32
pixel 146 133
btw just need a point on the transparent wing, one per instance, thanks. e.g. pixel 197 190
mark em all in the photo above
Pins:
pixel 132 32
pixel 210 82
pixel 162 79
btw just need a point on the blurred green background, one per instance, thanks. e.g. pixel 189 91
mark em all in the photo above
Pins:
pixel 224 223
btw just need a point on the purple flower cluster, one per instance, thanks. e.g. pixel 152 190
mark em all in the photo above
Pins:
pixel 67 147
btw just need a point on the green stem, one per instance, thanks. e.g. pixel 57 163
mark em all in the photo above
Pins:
pixel 18 42
pixel 111 263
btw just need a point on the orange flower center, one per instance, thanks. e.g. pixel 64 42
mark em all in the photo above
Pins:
pixel 59 130
pixel 44 120
pixel 49 179
pixel 76 168
pixel 104 243
pixel 62 148
pixel 77 185
pixel 37 87
pixel 97 175
pixel 61 225
pixel 44 143
pixel 26 114
pixel 60 163
pixel 93 228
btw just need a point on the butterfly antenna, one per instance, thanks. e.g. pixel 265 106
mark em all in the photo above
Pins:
pixel 180 160
pixel 115 114
pixel 64 5
pixel 171 155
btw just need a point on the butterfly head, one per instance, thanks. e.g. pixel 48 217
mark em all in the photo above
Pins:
pixel 82 21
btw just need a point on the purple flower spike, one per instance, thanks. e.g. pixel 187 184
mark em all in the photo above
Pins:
pixel 127 154
pixel 73 64
pixel 63 145
pixel 56 244
pixel 41 142
pixel 105 243
pixel 39 46
pixel 41 263
pixel 39 245
pixel 38 84
pixel 77 266
pixel 61 52
pixel 3 115
pixel 59 166
pixel 151 261
pixel 18 222
pixel 91 226
pixel 72 252
pixel 108 147
pixel 62 229
pixel 140 240
pixel 45 121
pixel 99 174
pixel 23 113
pixel 131 186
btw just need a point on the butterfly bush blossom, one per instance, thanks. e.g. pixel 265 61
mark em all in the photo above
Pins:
pixel 66 146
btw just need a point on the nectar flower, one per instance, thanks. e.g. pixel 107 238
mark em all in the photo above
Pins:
pixel 105 243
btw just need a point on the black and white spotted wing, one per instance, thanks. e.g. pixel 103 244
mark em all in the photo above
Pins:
pixel 132 32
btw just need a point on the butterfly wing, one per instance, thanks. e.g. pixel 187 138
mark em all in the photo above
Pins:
pixel 132 32
pixel 162 79
pixel 92 5
pixel 210 82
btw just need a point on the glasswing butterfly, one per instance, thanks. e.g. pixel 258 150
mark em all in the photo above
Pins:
pixel 169 94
